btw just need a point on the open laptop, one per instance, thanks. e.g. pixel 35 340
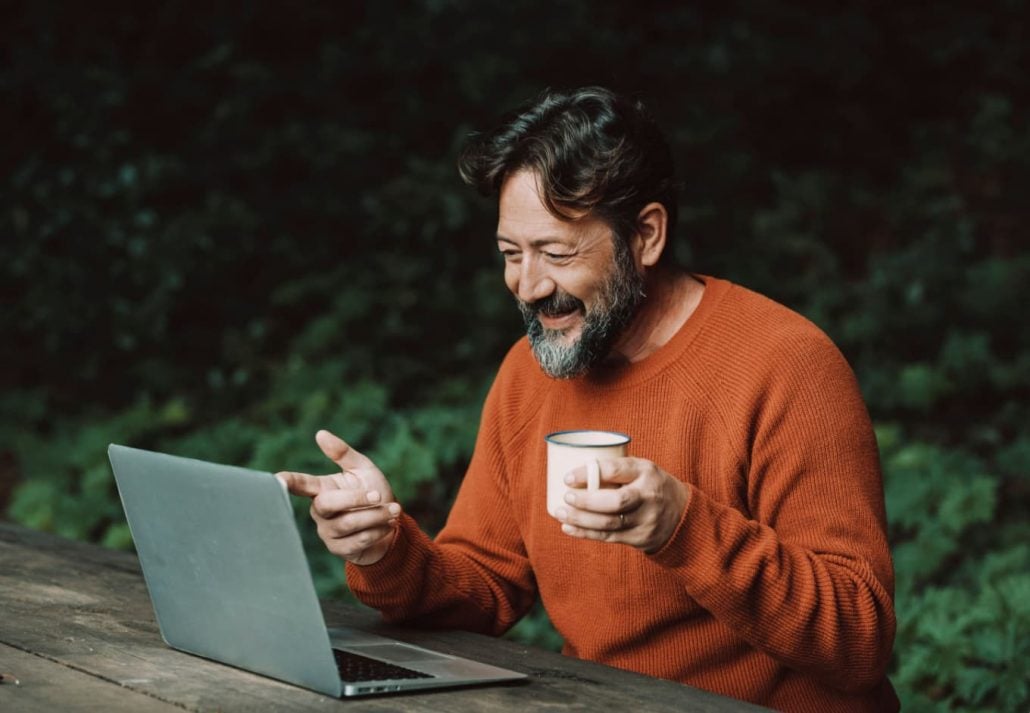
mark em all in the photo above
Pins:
pixel 223 561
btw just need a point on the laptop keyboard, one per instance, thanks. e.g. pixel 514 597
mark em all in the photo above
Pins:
pixel 354 667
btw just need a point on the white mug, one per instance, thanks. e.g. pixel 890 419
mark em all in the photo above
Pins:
pixel 571 449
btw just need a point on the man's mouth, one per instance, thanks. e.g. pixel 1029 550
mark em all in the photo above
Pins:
pixel 558 320
pixel 556 312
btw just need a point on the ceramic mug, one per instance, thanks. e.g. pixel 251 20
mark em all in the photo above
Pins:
pixel 571 449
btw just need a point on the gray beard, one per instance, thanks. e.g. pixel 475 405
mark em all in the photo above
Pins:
pixel 616 305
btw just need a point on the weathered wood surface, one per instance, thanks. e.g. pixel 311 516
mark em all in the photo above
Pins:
pixel 78 630
pixel 46 685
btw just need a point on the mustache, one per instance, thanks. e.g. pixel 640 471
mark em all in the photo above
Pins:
pixel 553 305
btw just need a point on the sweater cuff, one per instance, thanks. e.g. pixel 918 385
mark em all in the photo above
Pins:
pixel 363 578
pixel 707 537
pixel 674 552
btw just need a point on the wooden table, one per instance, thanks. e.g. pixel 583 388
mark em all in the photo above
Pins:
pixel 78 632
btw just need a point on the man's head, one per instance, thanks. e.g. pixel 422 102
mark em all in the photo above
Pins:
pixel 587 196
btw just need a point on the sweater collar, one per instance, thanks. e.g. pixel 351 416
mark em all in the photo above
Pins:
pixel 630 374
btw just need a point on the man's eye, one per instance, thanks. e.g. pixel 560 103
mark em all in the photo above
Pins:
pixel 510 255
pixel 557 257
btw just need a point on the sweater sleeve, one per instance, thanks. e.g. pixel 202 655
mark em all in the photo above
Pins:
pixel 476 574
pixel 806 574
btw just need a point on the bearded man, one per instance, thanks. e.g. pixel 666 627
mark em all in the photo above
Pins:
pixel 741 548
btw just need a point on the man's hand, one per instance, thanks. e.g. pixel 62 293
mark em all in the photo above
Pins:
pixel 354 509
pixel 642 510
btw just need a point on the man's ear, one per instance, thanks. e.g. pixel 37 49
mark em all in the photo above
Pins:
pixel 649 243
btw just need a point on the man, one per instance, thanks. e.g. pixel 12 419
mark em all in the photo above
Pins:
pixel 741 548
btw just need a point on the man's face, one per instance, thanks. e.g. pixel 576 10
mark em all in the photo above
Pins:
pixel 576 286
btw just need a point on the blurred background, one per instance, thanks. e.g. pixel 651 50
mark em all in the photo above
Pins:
pixel 222 228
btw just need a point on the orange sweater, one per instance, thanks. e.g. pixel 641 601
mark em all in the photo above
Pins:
pixel 776 587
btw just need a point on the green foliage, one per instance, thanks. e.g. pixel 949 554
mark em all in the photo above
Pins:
pixel 536 629
pixel 935 497
pixel 963 616
pixel 222 231
pixel 74 494
pixel 967 647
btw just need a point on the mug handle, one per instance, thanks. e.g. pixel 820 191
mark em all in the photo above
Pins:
pixel 593 475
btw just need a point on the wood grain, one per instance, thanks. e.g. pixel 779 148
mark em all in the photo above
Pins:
pixel 78 617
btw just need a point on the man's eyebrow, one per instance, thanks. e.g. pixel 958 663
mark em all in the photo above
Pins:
pixel 535 243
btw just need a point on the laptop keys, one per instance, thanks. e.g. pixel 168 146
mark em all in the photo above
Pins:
pixel 354 667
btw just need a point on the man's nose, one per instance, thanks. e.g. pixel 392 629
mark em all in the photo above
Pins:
pixel 534 282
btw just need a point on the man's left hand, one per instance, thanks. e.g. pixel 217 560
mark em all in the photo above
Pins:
pixel 641 510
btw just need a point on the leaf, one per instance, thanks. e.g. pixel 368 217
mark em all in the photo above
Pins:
pixel 33 504
pixel 117 537
pixel 969 502
pixel 973 685
pixel 921 386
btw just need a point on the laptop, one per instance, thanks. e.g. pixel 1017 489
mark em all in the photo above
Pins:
pixel 229 581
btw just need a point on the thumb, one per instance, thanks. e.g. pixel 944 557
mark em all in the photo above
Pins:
pixel 339 451
pixel 354 464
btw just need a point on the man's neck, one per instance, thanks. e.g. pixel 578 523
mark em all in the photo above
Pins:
pixel 672 296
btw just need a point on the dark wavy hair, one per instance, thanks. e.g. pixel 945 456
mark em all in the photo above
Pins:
pixel 592 150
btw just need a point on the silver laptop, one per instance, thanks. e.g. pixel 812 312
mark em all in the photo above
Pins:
pixel 223 561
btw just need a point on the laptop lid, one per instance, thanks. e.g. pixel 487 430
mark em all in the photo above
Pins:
pixel 225 566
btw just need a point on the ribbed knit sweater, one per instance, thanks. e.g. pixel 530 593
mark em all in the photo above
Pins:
pixel 777 585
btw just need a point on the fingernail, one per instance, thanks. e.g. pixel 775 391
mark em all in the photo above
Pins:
pixel 372 496
pixel 561 513
pixel 394 509
pixel 568 529
pixel 570 479
pixel 570 498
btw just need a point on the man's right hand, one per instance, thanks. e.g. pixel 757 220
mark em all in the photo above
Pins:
pixel 354 509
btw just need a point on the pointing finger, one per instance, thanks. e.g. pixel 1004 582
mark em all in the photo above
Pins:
pixel 306 485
